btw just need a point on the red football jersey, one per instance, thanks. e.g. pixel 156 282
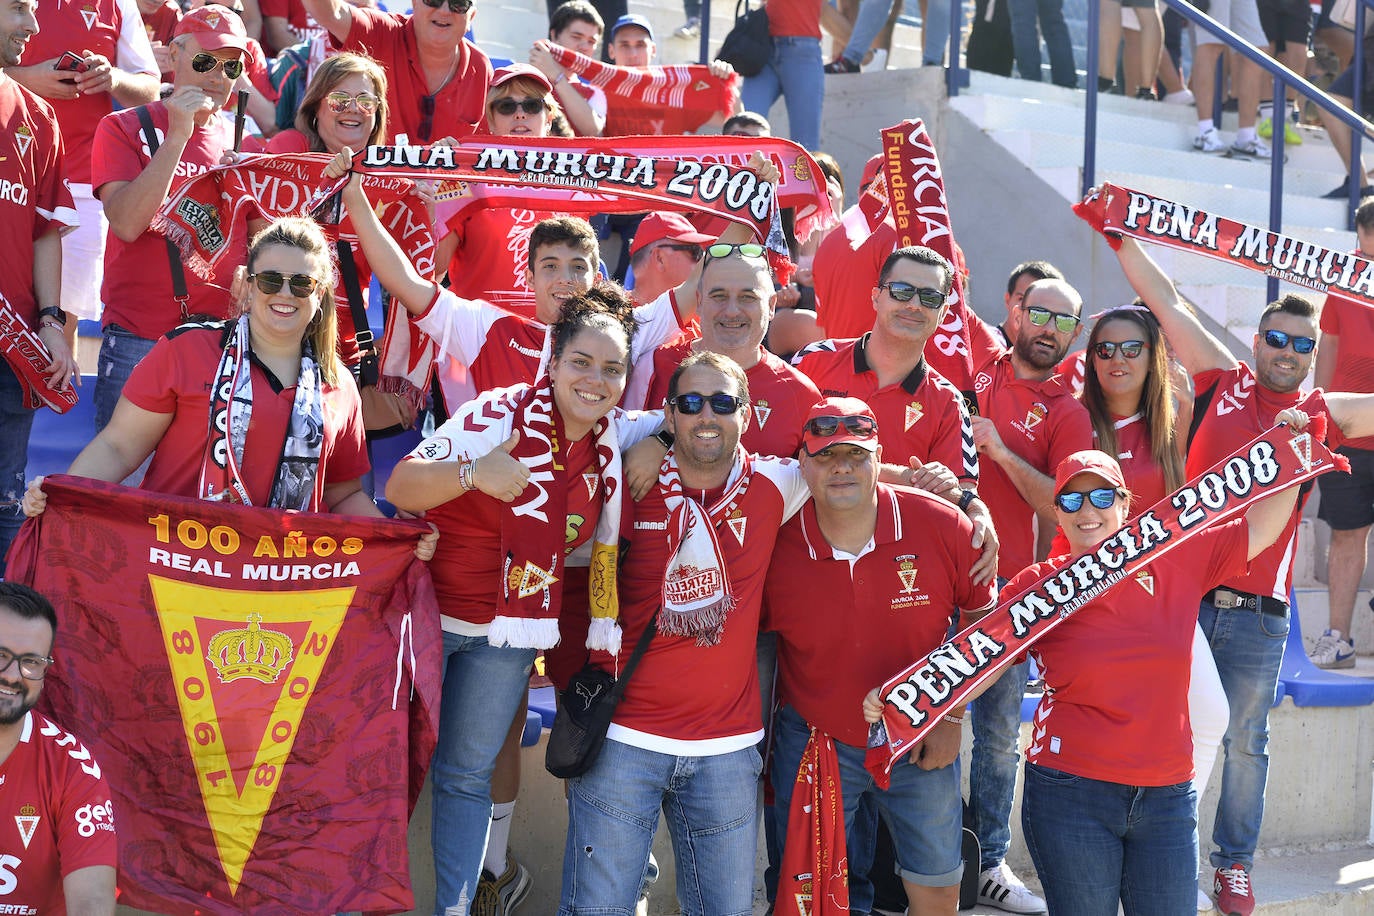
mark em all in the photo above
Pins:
pixel 845 275
pixel 493 254
pixel 1353 324
pixel 55 817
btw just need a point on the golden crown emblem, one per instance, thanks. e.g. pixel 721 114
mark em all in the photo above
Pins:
pixel 251 652
pixel 28 811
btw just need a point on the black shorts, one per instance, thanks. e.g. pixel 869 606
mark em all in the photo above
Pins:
pixel 1285 21
pixel 1348 499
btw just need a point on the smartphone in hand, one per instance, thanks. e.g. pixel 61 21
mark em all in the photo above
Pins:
pixel 70 62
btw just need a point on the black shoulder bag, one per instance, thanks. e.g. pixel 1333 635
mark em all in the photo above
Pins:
pixel 748 46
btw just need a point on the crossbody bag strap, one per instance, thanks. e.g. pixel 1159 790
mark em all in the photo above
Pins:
pixel 179 291
pixel 633 661
pixel 369 371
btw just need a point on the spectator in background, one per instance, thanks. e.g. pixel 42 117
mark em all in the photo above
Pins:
pixel 1287 25
pixel 1029 20
pixel 607 10
pixel 746 124
pixel 1241 17
pixel 438 79
pixel 1342 89
pixel 691 28
pixel 287 22
pixel 990 39
pixel 117 69
pixel 794 71
pixel 870 21
pixel 577 26
pixel 160 18
pixel 665 249
pixel 1151 30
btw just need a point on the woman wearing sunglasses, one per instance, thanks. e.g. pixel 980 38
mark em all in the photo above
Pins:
pixel 1109 810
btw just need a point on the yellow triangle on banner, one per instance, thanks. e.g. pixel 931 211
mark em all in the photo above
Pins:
pixel 276 645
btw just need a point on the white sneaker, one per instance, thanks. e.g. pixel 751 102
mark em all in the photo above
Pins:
pixel 1251 149
pixel 1183 97
pixel 1204 903
pixel 1331 651
pixel 1001 888
pixel 878 62
pixel 689 29
pixel 1209 141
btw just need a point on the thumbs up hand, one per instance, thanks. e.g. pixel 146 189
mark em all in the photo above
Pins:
pixel 498 474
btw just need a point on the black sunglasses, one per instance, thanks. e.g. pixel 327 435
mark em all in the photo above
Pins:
pixel 205 63
pixel 270 283
pixel 824 427
pixel 1040 317
pixel 748 250
pixel 692 403
pixel 455 6
pixel 1278 340
pixel 1130 349
pixel 31 667
pixel 507 107
pixel 1102 498
pixel 928 296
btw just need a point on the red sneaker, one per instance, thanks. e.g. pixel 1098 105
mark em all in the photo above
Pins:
pixel 1233 893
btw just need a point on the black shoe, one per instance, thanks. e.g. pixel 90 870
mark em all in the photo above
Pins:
pixel 1341 193
pixel 1146 93
pixel 841 66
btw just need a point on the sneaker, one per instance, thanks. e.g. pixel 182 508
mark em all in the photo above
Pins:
pixel 1331 651
pixel 1291 137
pixel 1209 141
pixel 876 62
pixel 689 29
pixel 1146 93
pixel 1204 902
pixel 1232 887
pixel 1251 149
pixel 841 65
pixel 1182 97
pixel 999 887
pixel 1341 193
pixel 499 896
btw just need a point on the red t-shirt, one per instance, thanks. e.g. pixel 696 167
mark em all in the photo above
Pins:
pixel 795 18
pixel 34 200
pixel 175 379
pixel 1116 673
pixel 493 254
pixel 1043 423
pixel 780 397
pixel 890 606
pixel 845 274
pixel 1229 415
pixel 458 108
pixel 686 699
pixel 55 817
pixel 1144 478
pixel 301 23
pixel 163 22
pixel 137 288
pixel 922 416
pixel 1353 323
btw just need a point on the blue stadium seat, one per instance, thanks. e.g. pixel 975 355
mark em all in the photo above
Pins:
pixel 534 727
pixel 386 454
pixel 542 701
pixel 1309 685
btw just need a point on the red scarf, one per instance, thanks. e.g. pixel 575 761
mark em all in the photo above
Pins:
pixel 917 697
pixel 654 100
pixel 814 876
pixel 28 357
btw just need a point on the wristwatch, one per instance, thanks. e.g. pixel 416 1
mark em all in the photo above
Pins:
pixel 966 497
pixel 665 438
pixel 55 313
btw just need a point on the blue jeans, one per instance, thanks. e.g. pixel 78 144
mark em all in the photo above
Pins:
pixel 709 803
pixel 483 685
pixel 995 759
pixel 1248 648
pixel 796 73
pixel 1025 40
pixel 16 422
pixel 869 22
pixel 1095 843
pixel 120 351
pixel 935 33
pixel 923 808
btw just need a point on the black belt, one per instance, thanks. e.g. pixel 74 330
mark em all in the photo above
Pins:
pixel 1227 600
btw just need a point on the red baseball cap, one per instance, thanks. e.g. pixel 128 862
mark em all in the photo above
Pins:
pixel 871 167
pixel 517 70
pixel 214 28
pixel 849 426
pixel 674 227
pixel 1088 461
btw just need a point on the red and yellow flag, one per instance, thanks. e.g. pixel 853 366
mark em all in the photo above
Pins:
pixel 261 686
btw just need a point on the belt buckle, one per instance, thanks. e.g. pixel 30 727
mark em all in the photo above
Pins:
pixel 1223 599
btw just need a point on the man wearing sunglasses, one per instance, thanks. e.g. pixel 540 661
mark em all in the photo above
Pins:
pixel 1246 619
pixel 140 287
pixel 665 249
pixel 895 566
pixel 57 827
pixel 436 79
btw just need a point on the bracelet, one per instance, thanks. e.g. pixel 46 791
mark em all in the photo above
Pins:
pixel 560 78
pixel 953 720
pixel 46 322
pixel 465 476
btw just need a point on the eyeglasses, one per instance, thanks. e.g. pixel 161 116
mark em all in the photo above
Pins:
pixel 270 283
pixel 366 102
pixel 1102 498
pixel 507 107
pixel 206 63
pixel 692 403
pixel 31 667
pixel 426 118
pixel 693 250
pixel 455 6
pixel 928 296
pixel 1278 340
pixel 722 250
pixel 1130 349
pixel 824 427
pixel 1041 316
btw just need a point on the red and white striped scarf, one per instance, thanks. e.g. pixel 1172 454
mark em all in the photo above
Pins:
pixel 21 347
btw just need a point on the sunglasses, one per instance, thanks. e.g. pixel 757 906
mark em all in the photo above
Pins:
pixel 722 250
pixel 1130 349
pixel 691 404
pixel 1278 340
pixel 270 283
pixel 824 427
pixel 454 6
pixel 928 296
pixel 1102 498
pixel 507 107
pixel 206 63
pixel 1041 317
pixel 31 667
pixel 366 102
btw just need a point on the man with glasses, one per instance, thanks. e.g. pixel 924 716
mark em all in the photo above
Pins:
pixel 665 249
pixel 1246 618
pixel 141 155
pixel 1018 281
pixel 436 78
pixel 57 831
